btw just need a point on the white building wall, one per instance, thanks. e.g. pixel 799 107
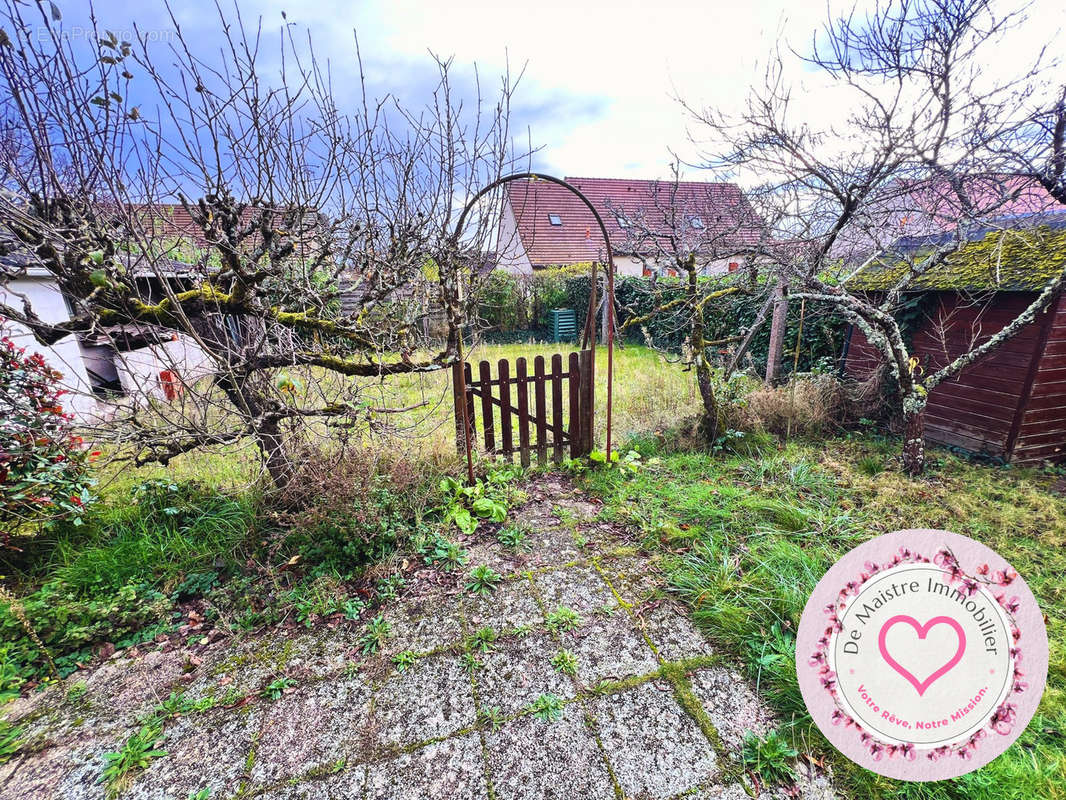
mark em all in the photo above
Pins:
pixel 65 356
pixel 510 252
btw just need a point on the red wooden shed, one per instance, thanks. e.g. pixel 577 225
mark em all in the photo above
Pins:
pixel 1012 403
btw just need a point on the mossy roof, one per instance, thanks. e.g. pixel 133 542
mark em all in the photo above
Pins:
pixel 1006 260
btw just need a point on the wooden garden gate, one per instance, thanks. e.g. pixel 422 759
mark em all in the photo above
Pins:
pixel 506 399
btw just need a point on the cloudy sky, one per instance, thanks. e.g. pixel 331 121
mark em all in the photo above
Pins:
pixel 600 78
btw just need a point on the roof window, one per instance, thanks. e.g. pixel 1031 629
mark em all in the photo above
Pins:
pixel 697 223
pixel 555 219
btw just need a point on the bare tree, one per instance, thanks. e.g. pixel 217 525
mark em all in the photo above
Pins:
pixel 690 230
pixel 226 220
pixel 933 149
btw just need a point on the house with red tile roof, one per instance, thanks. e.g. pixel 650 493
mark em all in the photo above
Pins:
pixel 545 225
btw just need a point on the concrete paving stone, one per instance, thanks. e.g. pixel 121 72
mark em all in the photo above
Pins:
pixel 529 759
pixel 449 770
pixel 207 750
pixel 424 623
pixel 672 631
pixel 636 580
pixel 732 791
pixel 314 727
pixel 732 706
pixel 608 647
pixel 70 771
pixel 655 749
pixel 123 689
pixel 239 667
pixel 502 559
pixel 322 653
pixel 519 670
pixel 511 605
pixel 429 699
pixel 347 785
pixel 579 588
pixel 550 546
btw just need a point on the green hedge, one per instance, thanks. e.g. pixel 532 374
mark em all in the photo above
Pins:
pixel 820 347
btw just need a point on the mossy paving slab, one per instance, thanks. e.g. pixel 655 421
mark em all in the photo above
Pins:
pixel 731 704
pixel 312 728
pixel 514 674
pixel 239 667
pixel 579 588
pixel 430 699
pixel 126 688
pixel 670 629
pixel 655 749
pixel 70 771
pixel 449 770
pixel 512 605
pixel 207 750
pixel 346 785
pixel 633 578
pixel 531 758
pixel 609 647
pixel 424 623
pixel 550 546
pixel 321 653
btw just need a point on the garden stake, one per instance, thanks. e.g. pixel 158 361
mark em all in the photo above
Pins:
pixel 795 366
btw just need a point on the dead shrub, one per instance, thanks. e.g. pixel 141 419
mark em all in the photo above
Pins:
pixel 809 405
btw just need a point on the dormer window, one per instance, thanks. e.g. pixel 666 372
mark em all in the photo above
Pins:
pixel 555 219
pixel 697 223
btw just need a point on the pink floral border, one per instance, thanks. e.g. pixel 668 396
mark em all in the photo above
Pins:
pixel 1002 719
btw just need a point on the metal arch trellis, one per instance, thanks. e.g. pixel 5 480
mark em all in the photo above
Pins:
pixel 589 333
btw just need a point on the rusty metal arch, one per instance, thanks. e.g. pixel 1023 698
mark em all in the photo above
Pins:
pixel 589 334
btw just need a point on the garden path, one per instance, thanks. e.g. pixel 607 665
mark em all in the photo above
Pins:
pixel 649 711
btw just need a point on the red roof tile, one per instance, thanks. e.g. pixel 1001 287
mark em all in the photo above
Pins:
pixel 723 208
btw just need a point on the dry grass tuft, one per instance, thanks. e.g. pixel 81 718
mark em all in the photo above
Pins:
pixel 808 405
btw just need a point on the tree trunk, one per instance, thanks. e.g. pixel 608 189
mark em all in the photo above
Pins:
pixel 712 424
pixel 777 332
pixel 913 436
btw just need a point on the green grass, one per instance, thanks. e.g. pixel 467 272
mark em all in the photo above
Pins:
pixel 746 540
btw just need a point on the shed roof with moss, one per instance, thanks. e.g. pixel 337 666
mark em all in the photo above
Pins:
pixel 1012 260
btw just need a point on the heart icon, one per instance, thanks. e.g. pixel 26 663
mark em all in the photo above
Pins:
pixel 922 631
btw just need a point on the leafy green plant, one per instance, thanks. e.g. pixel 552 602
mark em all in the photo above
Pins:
pixel 375 635
pixel 276 688
pixel 403 660
pixel 471 662
pixel 464 505
pixel 483 639
pixel 631 463
pixel 389 588
pixel 483 580
pixel 514 537
pixel 491 718
pixel 565 662
pixel 441 551
pixel 136 754
pixel 770 758
pixel 547 707
pixel 563 619
pixel 9 740
pixel 202 794
pixel 353 608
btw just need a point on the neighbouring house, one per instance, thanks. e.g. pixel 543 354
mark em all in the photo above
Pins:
pixel 1010 405
pixel 545 225
pixel 102 366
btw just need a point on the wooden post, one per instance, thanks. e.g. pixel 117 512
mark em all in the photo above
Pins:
pixel 557 408
pixel 486 406
pixel 588 399
pixel 575 405
pixel 504 371
pixel 459 402
pixel 469 402
pixel 523 410
pixel 777 331
pixel 541 411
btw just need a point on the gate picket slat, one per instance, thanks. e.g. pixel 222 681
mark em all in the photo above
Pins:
pixel 575 406
pixel 588 396
pixel 541 410
pixel 470 402
pixel 523 410
pixel 486 406
pixel 557 408
pixel 457 396
pixel 505 410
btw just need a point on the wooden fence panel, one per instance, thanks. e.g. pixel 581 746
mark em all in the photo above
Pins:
pixel 541 412
pixel 575 406
pixel 487 421
pixel 504 370
pixel 523 410
pixel 557 408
